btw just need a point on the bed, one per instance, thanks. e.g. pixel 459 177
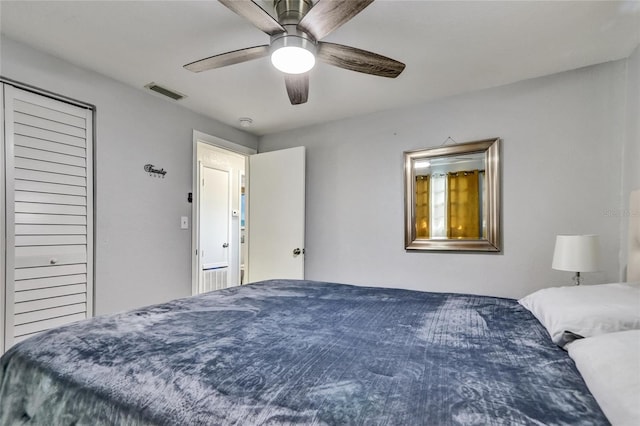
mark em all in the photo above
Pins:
pixel 299 352
pixel 304 352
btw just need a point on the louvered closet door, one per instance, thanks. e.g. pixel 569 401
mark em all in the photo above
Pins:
pixel 49 247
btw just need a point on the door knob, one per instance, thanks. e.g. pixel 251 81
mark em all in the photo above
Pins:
pixel 53 261
pixel 297 252
pixel 225 245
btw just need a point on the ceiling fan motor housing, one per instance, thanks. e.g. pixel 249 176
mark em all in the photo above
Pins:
pixel 293 38
pixel 290 12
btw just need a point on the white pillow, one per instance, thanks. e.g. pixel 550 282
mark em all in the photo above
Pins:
pixel 585 311
pixel 610 366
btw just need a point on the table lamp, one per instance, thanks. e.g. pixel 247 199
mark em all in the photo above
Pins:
pixel 577 253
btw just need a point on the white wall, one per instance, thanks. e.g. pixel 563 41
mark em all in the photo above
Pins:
pixel 142 255
pixel 631 152
pixel 562 150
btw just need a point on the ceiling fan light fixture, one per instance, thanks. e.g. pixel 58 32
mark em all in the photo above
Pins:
pixel 293 60
pixel 293 54
pixel 295 43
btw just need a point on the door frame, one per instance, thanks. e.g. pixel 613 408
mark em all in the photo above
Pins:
pixel 195 209
pixel 3 224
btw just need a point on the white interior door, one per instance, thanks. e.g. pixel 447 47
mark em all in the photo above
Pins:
pixel 276 215
pixel 215 225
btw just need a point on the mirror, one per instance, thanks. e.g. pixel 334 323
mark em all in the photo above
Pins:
pixel 452 197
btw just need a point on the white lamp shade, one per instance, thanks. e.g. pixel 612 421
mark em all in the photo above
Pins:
pixel 577 253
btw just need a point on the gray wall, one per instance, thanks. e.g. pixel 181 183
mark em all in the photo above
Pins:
pixel 142 255
pixel 563 138
pixel 631 152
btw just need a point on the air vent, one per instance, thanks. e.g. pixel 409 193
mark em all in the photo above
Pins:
pixel 166 92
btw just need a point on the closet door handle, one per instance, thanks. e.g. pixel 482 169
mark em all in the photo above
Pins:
pixel 225 245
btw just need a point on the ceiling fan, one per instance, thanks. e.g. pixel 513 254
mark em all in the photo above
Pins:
pixel 295 42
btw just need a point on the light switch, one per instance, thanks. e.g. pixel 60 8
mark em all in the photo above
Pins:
pixel 184 222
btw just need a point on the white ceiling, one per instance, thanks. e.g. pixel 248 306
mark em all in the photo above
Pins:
pixel 449 47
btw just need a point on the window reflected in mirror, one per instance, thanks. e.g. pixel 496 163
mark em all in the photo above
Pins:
pixel 450 199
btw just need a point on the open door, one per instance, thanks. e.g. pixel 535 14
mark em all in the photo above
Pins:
pixel 266 236
pixel 276 215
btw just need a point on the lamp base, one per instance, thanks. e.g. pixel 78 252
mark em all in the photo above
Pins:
pixel 577 279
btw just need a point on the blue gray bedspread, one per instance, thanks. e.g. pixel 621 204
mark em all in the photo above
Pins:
pixel 299 352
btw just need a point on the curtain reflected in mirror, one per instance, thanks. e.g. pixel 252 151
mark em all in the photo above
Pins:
pixel 423 207
pixel 465 214
pixel 454 201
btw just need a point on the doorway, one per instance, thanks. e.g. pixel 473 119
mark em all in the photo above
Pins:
pixel 219 231
pixel 248 214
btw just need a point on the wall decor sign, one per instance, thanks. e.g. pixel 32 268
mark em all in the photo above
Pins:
pixel 153 171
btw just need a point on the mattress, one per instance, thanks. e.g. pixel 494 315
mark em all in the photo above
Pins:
pixel 299 352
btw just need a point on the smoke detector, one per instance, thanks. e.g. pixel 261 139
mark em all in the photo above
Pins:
pixel 245 122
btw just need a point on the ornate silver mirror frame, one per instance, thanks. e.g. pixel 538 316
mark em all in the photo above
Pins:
pixel 437 182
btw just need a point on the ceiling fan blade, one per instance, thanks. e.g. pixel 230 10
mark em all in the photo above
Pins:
pixel 327 15
pixel 253 13
pixel 359 60
pixel 297 87
pixel 229 58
